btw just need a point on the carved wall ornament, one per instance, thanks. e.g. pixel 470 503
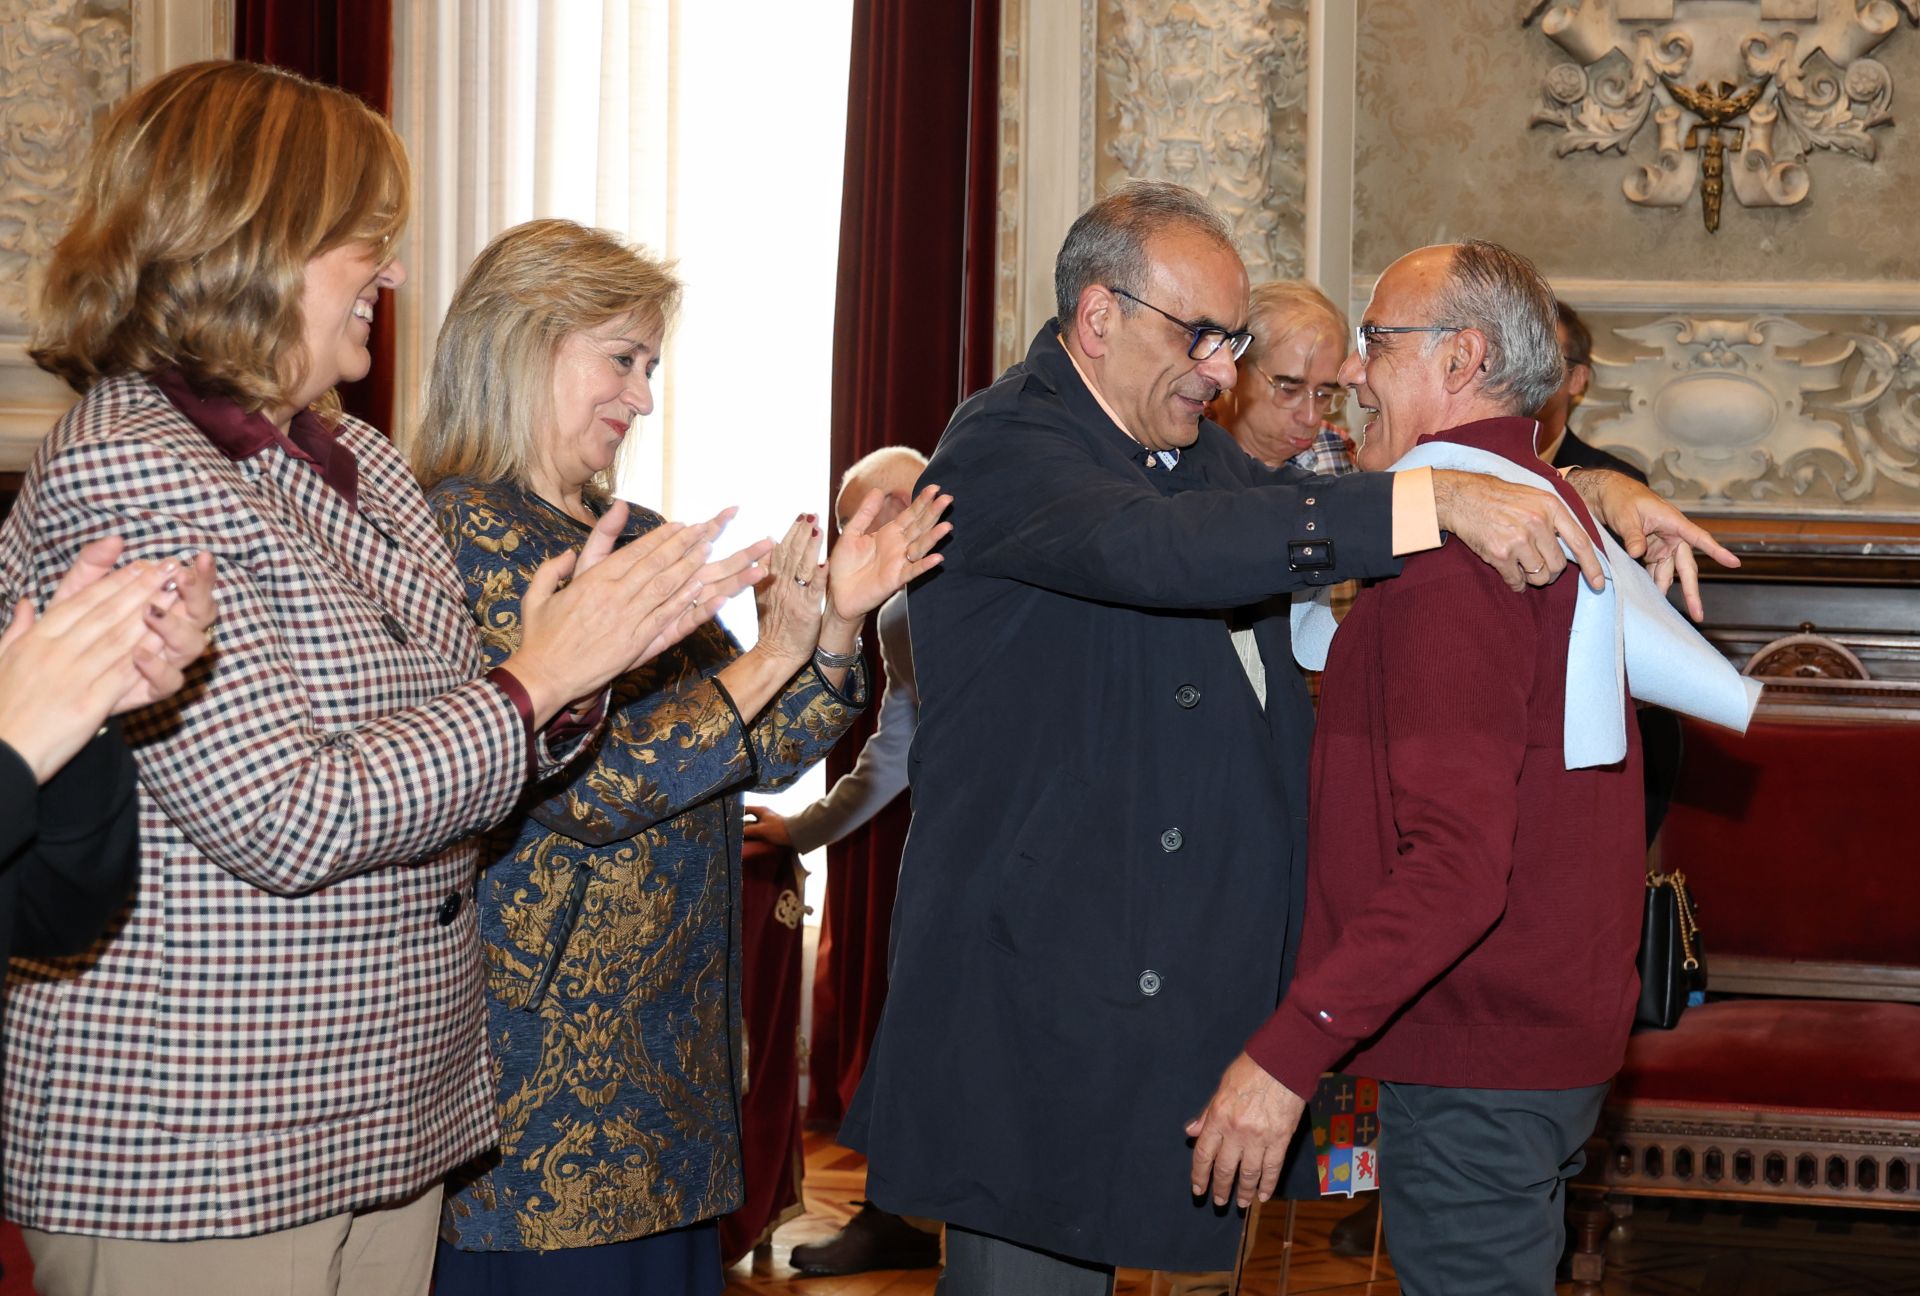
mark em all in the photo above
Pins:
pixel 1805 656
pixel 63 65
pixel 1007 340
pixel 1763 413
pixel 1740 92
pixel 1212 94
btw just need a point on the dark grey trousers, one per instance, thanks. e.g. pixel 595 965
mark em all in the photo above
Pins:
pixel 1472 1182
pixel 979 1264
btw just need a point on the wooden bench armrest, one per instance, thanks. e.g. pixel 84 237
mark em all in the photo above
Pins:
pixel 1811 979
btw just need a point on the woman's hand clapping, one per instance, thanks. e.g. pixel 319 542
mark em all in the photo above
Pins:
pixel 805 604
pixel 111 640
pixel 623 605
pixel 789 601
pixel 867 567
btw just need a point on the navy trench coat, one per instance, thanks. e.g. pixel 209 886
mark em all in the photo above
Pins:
pixel 1102 888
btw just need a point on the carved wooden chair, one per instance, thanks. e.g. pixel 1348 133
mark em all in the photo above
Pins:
pixel 1799 1080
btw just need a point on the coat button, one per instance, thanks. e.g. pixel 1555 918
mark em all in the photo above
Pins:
pixel 449 909
pixel 391 624
pixel 1149 982
pixel 1187 696
pixel 1172 840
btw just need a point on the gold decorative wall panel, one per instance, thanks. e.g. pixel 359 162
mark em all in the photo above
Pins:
pixel 1763 370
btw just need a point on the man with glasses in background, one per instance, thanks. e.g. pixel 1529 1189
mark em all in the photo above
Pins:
pixel 1101 891
pixel 1278 411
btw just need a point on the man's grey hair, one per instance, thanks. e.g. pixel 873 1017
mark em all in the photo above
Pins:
pixel 1108 243
pixel 1281 308
pixel 1500 294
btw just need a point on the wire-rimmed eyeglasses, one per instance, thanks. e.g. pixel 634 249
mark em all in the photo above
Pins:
pixel 1289 392
pixel 1363 334
pixel 1206 338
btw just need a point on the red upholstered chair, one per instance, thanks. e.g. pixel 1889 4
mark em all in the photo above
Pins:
pixel 1800 1079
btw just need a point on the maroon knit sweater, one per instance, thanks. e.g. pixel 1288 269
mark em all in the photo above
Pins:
pixel 1473 906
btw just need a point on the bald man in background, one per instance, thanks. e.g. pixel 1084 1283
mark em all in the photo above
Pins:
pixel 872 1239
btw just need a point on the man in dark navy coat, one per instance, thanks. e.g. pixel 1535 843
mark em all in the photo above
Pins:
pixel 1559 445
pixel 1103 884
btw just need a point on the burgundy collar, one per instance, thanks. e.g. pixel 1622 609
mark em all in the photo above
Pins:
pixel 1511 437
pixel 239 434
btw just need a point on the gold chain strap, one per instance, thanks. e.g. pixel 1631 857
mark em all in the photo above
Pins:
pixel 1688 925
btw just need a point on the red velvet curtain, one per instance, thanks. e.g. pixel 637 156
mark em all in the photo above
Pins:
pixel 913 332
pixel 345 43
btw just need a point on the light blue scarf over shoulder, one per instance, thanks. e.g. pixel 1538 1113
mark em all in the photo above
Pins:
pixel 1626 638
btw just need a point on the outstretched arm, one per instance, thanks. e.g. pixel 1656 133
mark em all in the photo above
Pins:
pixel 1652 529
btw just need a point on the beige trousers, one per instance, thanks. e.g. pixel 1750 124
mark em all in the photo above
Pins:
pixel 386 1252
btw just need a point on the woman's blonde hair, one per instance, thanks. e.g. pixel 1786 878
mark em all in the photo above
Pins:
pixel 491 385
pixel 202 201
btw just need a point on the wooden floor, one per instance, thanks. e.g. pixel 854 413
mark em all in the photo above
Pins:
pixel 1673 1250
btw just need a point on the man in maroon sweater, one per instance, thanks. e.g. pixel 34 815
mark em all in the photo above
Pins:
pixel 1472 904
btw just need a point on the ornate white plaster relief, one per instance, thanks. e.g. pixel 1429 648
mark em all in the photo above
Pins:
pixel 1739 94
pixel 1212 94
pixel 1046 154
pixel 1764 413
pixel 63 65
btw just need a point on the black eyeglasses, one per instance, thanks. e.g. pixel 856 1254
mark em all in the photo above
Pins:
pixel 1366 333
pixel 1206 339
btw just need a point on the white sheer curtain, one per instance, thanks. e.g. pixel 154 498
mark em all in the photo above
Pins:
pixel 710 132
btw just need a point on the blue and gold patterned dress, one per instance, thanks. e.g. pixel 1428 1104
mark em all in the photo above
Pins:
pixel 610 925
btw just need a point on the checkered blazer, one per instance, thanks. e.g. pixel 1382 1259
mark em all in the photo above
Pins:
pixel 287 1023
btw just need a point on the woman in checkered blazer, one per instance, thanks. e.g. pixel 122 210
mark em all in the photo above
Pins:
pixel 111 640
pixel 256 1080
pixel 609 907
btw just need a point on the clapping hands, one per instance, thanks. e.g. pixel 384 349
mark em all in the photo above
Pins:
pixel 112 639
pixel 867 567
pixel 622 606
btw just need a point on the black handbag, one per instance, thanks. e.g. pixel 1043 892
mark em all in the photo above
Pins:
pixel 1672 963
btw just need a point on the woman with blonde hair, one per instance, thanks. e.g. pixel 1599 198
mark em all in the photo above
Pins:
pixel 609 912
pixel 257 1080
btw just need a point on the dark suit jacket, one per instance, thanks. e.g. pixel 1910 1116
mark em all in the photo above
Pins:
pixel 1101 890
pixel 1572 452
pixel 69 851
